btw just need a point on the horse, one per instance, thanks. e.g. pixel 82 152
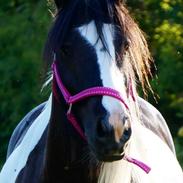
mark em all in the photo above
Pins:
pixel 94 128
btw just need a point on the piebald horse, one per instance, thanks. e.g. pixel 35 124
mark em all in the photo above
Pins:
pixel 94 128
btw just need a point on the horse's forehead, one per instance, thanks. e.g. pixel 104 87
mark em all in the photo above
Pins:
pixel 110 74
pixel 89 32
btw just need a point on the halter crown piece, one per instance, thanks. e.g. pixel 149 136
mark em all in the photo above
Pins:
pixel 94 91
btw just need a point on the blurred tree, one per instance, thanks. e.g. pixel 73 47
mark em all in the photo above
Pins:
pixel 23 31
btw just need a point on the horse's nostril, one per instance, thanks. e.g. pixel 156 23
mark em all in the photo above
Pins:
pixel 125 120
pixel 127 128
pixel 127 132
pixel 103 129
pixel 126 123
pixel 100 129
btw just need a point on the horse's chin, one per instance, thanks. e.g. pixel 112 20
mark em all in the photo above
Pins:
pixel 110 158
pixel 102 156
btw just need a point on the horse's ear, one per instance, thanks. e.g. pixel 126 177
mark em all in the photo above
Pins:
pixel 61 3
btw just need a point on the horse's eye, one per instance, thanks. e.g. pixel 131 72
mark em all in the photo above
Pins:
pixel 65 51
pixel 126 45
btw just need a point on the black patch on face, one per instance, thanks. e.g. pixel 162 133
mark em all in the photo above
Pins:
pixel 79 70
pixel 78 63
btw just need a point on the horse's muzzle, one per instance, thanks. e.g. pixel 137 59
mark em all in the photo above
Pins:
pixel 111 139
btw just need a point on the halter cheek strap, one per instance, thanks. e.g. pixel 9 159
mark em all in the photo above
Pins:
pixel 94 91
pixel 85 93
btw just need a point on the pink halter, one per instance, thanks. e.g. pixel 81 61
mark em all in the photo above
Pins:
pixel 70 100
pixel 83 95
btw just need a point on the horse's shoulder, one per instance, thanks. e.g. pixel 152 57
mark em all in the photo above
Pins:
pixel 22 128
pixel 153 120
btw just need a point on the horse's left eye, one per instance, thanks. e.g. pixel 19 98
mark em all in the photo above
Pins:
pixel 126 45
pixel 65 51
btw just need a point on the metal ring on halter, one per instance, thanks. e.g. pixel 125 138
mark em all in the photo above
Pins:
pixel 54 56
pixel 70 109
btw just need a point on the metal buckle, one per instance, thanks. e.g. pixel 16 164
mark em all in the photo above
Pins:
pixel 70 109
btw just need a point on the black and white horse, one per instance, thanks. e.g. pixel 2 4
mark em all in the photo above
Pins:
pixel 96 44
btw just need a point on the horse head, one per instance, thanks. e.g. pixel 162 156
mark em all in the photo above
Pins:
pixel 92 50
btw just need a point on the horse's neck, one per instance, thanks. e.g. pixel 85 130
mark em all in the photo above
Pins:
pixel 148 147
pixel 64 150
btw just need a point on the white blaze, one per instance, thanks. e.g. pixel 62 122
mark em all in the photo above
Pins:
pixel 110 74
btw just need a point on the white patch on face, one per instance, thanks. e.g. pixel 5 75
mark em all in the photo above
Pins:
pixel 111 76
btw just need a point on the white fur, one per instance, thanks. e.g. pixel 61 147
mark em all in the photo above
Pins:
pixel 158 121
pixel 18 158
pixel 149 148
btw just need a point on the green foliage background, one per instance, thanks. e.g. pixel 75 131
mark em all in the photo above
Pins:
pixel 23 29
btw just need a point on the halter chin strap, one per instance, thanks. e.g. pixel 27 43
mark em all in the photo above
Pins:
pixel 94 91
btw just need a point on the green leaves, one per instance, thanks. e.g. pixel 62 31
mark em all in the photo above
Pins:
pixel 23 32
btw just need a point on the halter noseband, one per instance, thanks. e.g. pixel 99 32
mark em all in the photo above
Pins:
pixel 70 100
pixel 94 91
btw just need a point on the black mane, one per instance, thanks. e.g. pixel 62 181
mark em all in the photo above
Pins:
pixel 75 14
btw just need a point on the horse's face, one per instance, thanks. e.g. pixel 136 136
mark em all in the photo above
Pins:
pixel 84 63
